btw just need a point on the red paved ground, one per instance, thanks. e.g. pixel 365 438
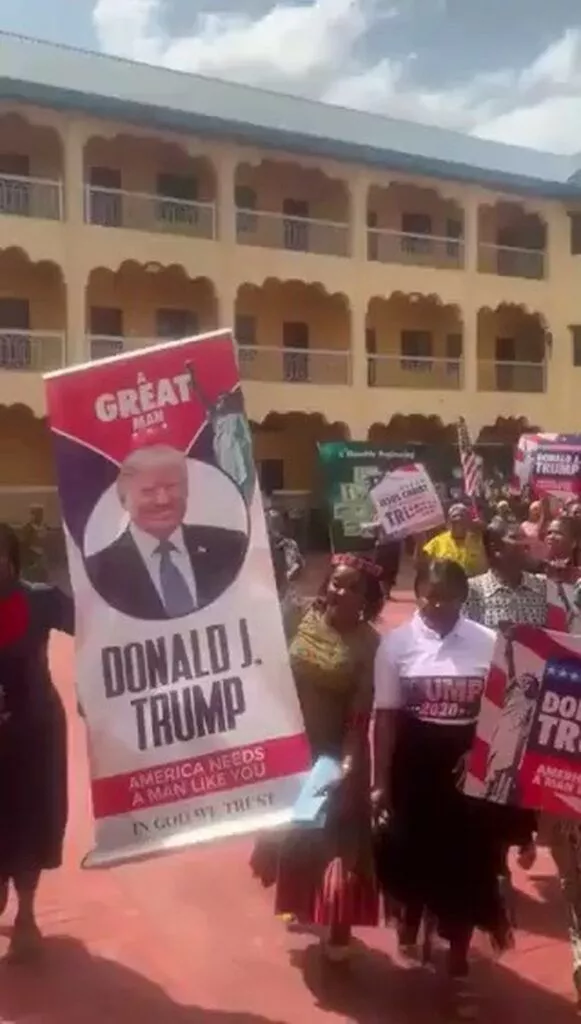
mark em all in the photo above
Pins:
pixel 191 939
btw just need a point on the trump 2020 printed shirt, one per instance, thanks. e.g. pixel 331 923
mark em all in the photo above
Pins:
pixel 437 679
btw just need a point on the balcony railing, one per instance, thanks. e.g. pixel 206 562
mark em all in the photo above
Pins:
pixel 297 234
pixel 102 346
pixel 508 261
pixel 294 366
pixel 139 211
pixel 384 246
pixel 420 372
pixel 529 378
pixel 32 351
pixel 31 197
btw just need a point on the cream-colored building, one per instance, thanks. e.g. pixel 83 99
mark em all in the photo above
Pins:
pixel 382 277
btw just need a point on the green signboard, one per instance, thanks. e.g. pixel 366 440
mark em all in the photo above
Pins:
pixel 350 470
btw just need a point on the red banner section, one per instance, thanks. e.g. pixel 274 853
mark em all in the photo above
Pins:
pixel 200 776
pixel 143 397
pixel 545 780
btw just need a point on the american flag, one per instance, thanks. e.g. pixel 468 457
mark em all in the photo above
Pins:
pixel 548 778
pixel 471 470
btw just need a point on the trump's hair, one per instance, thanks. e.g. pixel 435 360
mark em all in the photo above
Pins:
pixel 149 457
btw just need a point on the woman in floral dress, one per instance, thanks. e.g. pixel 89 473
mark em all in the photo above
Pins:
pixel 326 876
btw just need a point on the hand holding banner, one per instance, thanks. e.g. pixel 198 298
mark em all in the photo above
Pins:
pixel 407 502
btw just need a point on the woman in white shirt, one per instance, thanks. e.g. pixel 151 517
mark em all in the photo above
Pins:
pixel 439 855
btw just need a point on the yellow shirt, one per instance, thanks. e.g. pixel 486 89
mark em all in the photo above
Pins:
pixel 468 553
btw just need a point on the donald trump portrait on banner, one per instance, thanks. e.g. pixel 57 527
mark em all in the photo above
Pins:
pixel 160 567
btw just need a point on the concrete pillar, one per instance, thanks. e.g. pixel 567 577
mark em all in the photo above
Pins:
pixel 358 352
pixel 356 403
pixel 74 187
pixel 359 189
pixel 227 285
pixel 226 297
pixel 559 312
pixel 471 214
pixel 77 341
pixel 226 165
pixel 470 351
pixel 75 267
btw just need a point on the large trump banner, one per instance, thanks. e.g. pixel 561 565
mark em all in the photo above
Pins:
pixel 527 749
pixel 194 727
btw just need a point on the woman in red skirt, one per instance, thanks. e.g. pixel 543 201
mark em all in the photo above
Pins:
pixel 326 876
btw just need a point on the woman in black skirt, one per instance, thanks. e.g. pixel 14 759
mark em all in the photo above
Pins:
pixel 439 854
pixel 33 741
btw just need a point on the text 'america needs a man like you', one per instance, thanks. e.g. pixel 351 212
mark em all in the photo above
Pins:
pixel 152 674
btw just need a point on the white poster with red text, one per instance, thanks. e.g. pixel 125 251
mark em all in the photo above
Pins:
pixel 407 502
pixel 194 726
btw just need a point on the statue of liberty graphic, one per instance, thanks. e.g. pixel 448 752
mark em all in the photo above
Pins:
pixel 510 736
pixel 231 437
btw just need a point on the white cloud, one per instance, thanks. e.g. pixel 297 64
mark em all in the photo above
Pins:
pixel 387 88
pixel 314 49
pixel 546 108
pixel 130 28
pixel 550 125
pixel 293 46
pixel 559 65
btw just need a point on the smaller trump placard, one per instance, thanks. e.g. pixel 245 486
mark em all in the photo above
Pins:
pixel 407 502
pixel 527 748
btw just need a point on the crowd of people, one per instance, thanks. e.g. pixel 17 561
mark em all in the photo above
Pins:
pixel 400 841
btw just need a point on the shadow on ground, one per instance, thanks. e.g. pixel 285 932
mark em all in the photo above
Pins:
pixel 546 915
pixel 373 990
pixel 73 987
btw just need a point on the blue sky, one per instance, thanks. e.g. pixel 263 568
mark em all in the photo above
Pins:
pixel 503 69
